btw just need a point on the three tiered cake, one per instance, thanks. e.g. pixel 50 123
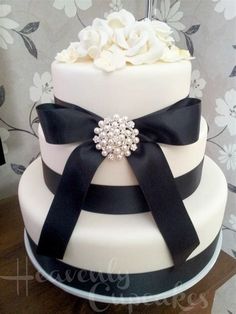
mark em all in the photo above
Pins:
pixel 123 195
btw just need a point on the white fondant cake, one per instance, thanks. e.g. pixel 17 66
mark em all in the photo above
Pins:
pixel 133 91
pixel 147 73
pixel 134 244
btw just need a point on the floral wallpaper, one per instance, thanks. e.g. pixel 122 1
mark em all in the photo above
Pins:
pixel 32 32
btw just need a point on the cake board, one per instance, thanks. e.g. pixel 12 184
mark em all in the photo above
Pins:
pixel 125 300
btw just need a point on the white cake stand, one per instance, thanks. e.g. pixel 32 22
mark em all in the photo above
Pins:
pixel 125 300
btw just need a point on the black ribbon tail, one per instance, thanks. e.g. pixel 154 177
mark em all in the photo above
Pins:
pixel 68 201
pixel 2 158
pixel 159 188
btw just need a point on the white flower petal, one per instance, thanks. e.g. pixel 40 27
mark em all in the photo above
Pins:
pixel 46 78
pixel 221 107
pixel 59 4
pixel 202 83
pixel 219 7
pixel 35 93
pixel 151 56
pixel 165 7
pixel 223 152
pixel 120 39
pixel 230 14
pixel 191 92
pixel 6 36
pixel 5 9
pixel 230 97
pixel 198 93
pixel 174 9
pixel 178 16
pixel 84 4
pixel 177 25
pixel 70 8
pixel 195 75
pixel 228 164
pixel 158 14
pixel 8 23
pixel 37 80
pixel 221 121
pixel 132 51
pixel 176 34
pixel 4 134
pixel 226 6
pixel 46 98
pixel 232 126
pixel 223 159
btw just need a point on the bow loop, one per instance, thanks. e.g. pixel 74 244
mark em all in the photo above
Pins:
pixel 66 124
pixel 175 125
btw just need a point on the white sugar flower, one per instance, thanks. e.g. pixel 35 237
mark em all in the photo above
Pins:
pixel 226 6
pixel 71 6
pixel 163 31
pixel 69 55
pixel 110 61
pixel 4 135
pixel 197 84
pixel 140 44
pixel 232 221
pixel 171 15
pixel 120 19
pixel 174 54
pixel 227 110
pixel 5 25
pixel 228 156
pixel 42 90
pixel 94 38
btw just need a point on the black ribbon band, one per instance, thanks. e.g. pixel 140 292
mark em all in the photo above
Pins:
pixel 118 200
pixel 176 125
pixel 124 285
pixel 2 158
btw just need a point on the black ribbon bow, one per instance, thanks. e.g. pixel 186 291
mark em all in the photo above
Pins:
pixel 64 123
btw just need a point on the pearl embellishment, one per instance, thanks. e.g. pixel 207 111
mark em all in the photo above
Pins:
pixel 116 137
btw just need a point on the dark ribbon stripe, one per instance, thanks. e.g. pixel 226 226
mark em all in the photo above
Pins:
pixel 2 158
pixel 176 125
pixel 118 200
pixel 138 284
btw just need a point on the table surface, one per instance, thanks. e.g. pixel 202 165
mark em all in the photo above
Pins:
pixel 23 290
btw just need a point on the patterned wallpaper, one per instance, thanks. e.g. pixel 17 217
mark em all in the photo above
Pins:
pixel 31 32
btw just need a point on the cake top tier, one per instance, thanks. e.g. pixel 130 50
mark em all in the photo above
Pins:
pixel 120 40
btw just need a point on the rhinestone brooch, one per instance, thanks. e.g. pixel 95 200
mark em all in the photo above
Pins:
pixel 116 137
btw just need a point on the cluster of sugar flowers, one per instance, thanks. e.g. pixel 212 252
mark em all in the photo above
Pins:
pixel 119 39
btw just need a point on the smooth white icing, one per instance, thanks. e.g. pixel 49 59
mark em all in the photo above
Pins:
pixel 133 91
pixel 181 159
pixel 124 243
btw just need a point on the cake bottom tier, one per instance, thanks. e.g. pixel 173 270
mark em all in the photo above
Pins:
pixel 104 245
pixel 125 288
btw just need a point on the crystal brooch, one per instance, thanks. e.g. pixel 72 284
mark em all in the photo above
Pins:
pixel 116 137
